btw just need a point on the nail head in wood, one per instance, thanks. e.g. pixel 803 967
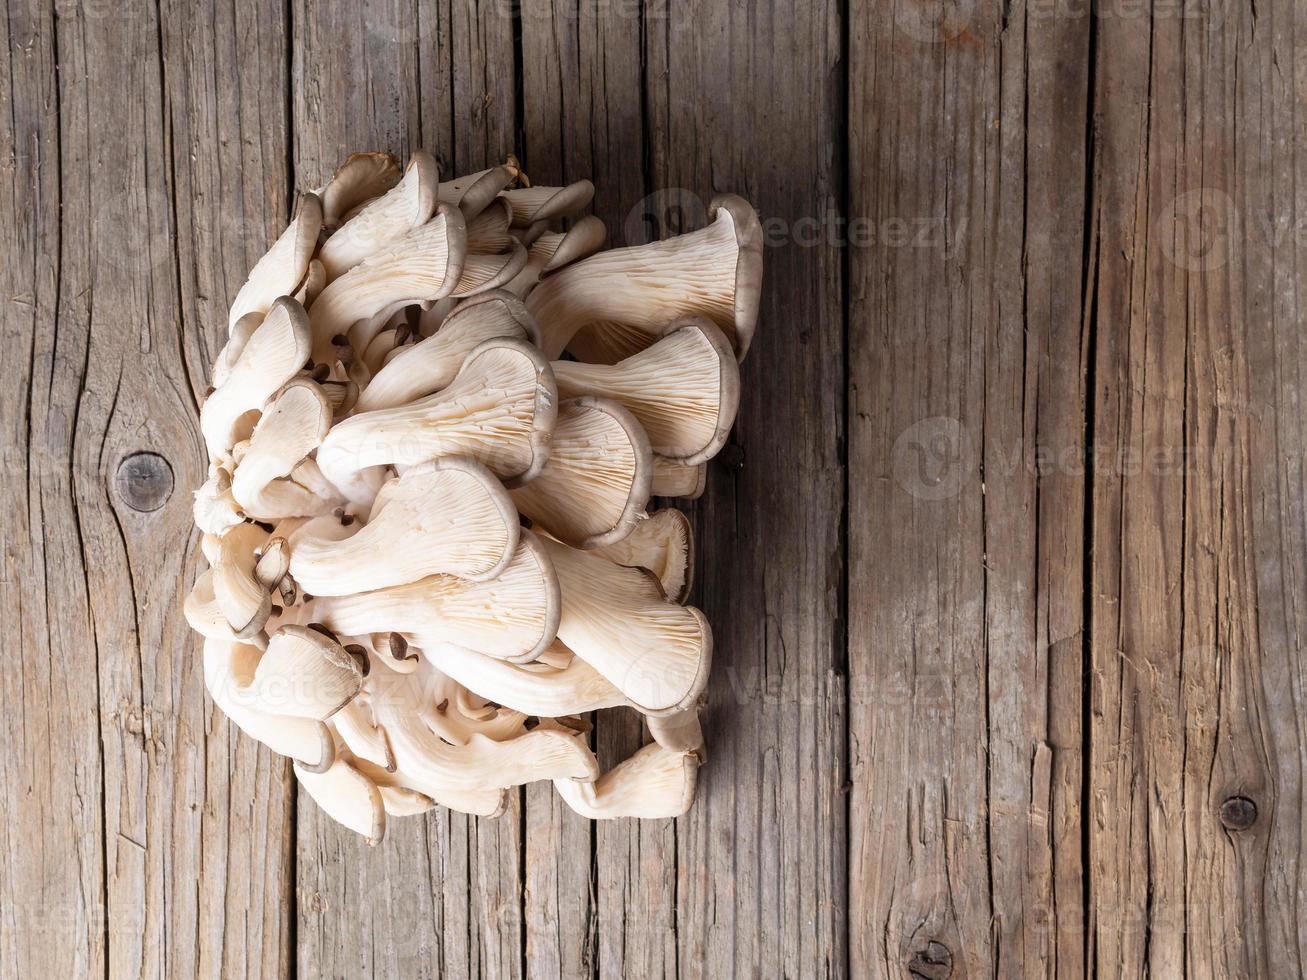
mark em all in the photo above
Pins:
pixel 1238 813
pixel 935 962
pixel 144 481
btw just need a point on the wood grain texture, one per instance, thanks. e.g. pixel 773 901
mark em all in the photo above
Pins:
pixel 1197 502
pixel 1005 559
pixel 967 407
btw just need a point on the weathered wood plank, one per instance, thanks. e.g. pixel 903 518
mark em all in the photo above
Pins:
pixel 1198 537
pixel 443 893
pixel 225 103
pixel 749 99
pixel 966 387
pixel 118 438
pixel 52 878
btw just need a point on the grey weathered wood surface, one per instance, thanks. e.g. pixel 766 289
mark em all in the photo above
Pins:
pixel 1006 561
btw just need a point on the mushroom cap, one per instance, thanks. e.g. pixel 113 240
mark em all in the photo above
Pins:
pixel 663 543
pixel 482 273
pixel 539 203
pixel 360 178
pixel 347 796
pixel 748 267
pixel 306 674
pixel 638 289
pixel 295 422
pixel 244 601
pixel 597 480
pixel 500 410
pixel 432 363
pixel 273 355
pixel 533 689
pixel 423 265
pixel 684 389
pixel 617 619
pixel 672 478
pixel 474 192
pixel 513 616
pixel 654 783
pixel 228 669
pixel 487 233
pixel 284 266
pixel 448 516
pixel 407 205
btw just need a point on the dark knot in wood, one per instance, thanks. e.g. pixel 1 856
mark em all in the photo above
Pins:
pixel 144 481
pixel 935 962
pixel 1238 813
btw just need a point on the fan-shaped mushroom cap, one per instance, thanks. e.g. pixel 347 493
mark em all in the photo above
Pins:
pixel 533 689
pixel 431 364
pixel 294 423
pixel 655 782
pixel 360 178
pixel 679 732
pixel 513 616
pixel 616 618
pixel 676 479
pixel 684 390
pixel 283 268
pixel 354 725
pixel 550 251
pixel 273 355
pixel 449 516
pixel 447 755
pixel 237 337
pixel 314 279
pixel 487 233
pixel 597 479
pixel 244 602
pixel 482 273
pixel 663 543
pixel 474 192
pixel 715 272
pixel 532 204
pixel 306 674
pixel 348 797
pixel 205 616
pixel 500 410
pixel 215 508
pixel 406 206
pixel 228 669
pixel 423 265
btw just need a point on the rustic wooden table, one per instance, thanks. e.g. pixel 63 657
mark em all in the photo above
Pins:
pixel 1006 561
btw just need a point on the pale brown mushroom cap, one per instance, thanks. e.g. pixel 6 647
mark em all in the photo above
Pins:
pixel 513 616
pixel 643 287
pixel 684 389
pixel 295 422
pixel 360 178
pixel 282 269
pixel 473 193
pixel 274 354
pixel 388 218
pixel 663 543
pixel 449 516
pixel 617 619
pixel 654 783
pixel 500 410
pixel 433 363
pixel 540 203
pixel 423 265
pixel 347 796
pixel 597 480
pixel 305 674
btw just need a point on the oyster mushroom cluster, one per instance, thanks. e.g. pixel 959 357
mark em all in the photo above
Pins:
pixel 434 435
